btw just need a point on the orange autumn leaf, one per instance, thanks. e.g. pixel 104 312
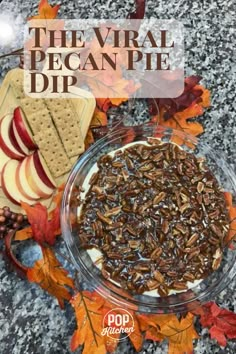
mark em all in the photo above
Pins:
pixel 111 83
pixel 50 276
pixel 180 121
pixel 115 87
pixel 135 337
pixel 228 198
pixel 205 97
pixel 89 318
pixel 24 234
pixel 148 324
pixel 99 118
pixel 89 139
pixel 232 216
pixel 43 230
pixel 117 101
pixel 46 11
pixel 167 326
pixel 180 333
pixel 58 196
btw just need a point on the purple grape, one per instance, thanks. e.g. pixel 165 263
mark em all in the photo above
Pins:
pixel 7 214
pixel 15 225
pixel 20 218
pixel 2 229
pixel 13 216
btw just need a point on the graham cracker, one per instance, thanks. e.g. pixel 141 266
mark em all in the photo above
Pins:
pixel 65 120
pixel 32 105
pixel 39 120
pixel 51 148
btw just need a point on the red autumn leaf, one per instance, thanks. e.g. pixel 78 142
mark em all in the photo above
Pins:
pixel 193 94
pixel 129 136
pixel 103 103
pixel 222 322
pixel 43 230
pixel 48 273
pixel 139 12
pixel 46 11
pixel 217 334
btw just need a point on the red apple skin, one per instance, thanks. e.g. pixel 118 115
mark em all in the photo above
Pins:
pixel 31 180
pixel 21 129
pixel 40 170
pixel 23 147
pixel 12 154
pixel 14 141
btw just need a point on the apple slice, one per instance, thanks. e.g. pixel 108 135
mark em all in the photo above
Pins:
pixel 34 177
pixel 42 169
pixel 3 159
pixel 17 138
pixel 9 186
pixel 23 183
pixel 13 139
pixel 23 129
pixel 5 141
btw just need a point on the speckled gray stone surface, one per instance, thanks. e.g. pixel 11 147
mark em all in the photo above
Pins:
pixel 31 321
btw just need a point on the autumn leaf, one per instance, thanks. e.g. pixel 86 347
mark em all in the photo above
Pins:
pixel 221 322
pixel 24 234
pixel 129 136
pixel 139 10
pixel 148 324
pixel 232 215
pixel 57 198
pixel 50 276
pixel 43 230
pixel 111 83
pixel 178 113
pixel 117 101
pixel 180 334
pixel 136 337
pixel 46 11
pixel 99 118
pixel 88 310
pixel 89 139
pixel 180 122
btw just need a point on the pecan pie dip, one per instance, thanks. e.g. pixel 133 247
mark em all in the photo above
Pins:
pixel 156 214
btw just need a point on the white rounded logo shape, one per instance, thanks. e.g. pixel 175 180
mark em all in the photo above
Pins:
pixel 118 321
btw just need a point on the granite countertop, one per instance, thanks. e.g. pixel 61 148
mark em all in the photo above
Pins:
pixel 31 321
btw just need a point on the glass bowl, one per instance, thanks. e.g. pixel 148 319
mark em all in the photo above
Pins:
pixel 184 301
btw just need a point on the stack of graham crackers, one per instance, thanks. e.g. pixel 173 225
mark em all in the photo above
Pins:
pixel 58 126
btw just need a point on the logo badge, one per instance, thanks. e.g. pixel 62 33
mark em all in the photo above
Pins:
pixel 118 321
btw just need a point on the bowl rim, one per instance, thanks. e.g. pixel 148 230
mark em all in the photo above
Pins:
pixel 100 285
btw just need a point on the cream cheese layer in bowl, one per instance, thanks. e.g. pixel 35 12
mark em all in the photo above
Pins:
pixel 146 222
